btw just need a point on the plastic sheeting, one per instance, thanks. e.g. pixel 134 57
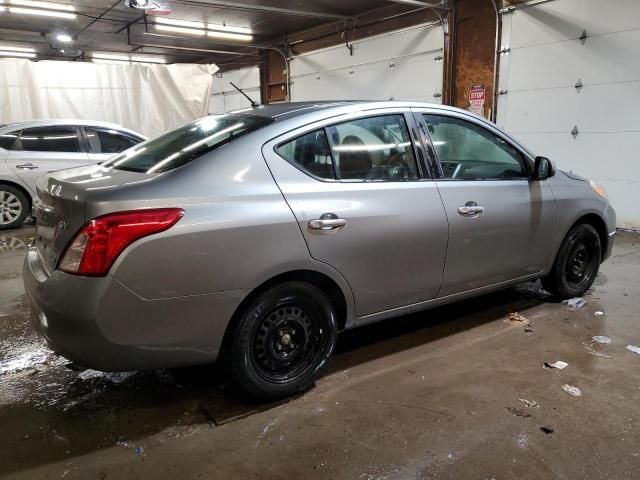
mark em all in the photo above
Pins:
pixel 150 99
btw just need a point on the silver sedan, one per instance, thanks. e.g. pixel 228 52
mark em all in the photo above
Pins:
pixel 255 237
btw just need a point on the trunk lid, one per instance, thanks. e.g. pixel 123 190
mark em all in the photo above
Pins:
pixel 61 204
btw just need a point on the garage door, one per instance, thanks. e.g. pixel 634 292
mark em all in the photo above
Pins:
pixel 557 83
pixel 225 98
pixel 401 65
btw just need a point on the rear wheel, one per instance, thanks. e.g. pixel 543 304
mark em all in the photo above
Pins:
pixel 282 340
pixel 14 207
pixel 577 263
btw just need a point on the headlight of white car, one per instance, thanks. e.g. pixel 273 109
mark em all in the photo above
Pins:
pixel 599 190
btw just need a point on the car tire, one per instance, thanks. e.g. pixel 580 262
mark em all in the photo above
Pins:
pixel 577 263
pixel 281 341
pixel 14 207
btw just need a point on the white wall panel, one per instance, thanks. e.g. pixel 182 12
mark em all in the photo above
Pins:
pixel 542 106
pixel 403 65
pixel 225 98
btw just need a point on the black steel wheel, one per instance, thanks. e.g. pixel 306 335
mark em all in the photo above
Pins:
pixel 282 340
pixel 577 263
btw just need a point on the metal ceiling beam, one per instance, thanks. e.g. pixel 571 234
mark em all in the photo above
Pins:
pixel 264 8
pixel 420 3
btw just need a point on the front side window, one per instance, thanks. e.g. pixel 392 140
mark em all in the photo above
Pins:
pixel 311 153
pixel 373 149
pixel 185 144
pixel 467 151
pixel 109 141
pixel 48 139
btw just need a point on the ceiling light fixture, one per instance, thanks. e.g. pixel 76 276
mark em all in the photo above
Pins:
pixel 123 59
pixel 199 28
pixel 230 36
pixel 147 59
pixel 17 49
pixel 45 13
pixel 17 54
pixel 45 5
pixel 180 23
pixel 188 31
pixel 227 28
pixel 63 37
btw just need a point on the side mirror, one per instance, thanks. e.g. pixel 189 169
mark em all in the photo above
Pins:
pixel 543 169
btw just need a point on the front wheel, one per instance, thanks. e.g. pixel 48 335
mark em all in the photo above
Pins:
pixel 577 263
pixel 282 340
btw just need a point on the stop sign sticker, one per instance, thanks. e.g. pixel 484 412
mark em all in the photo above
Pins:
pixel 477 95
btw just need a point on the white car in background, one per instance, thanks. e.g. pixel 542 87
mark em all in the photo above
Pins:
pixel 31 149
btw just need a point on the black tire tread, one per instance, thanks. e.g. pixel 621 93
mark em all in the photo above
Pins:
pixel 555 282
pixel 236 361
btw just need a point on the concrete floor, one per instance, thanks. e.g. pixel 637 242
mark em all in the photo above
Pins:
pixel 431 395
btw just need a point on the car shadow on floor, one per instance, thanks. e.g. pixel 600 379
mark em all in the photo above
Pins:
pixel 55 413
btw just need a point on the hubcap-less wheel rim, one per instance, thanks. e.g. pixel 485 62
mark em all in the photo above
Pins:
pixel 581 264
pixel 287 342
pixel 10 207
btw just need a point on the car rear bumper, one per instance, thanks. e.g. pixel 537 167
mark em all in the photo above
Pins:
pixel 101 324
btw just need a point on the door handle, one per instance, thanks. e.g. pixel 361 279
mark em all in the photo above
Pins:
pixel 327 222
pixel 471 209
pixel 27 166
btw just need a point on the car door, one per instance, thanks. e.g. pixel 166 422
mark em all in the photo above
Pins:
pixel 40 150
pixel 365 205
pixel 501 223
pixel 104 143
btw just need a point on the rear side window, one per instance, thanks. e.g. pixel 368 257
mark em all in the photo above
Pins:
pixel 373 149
pixel 48 139
pixel 310 153
pixel 7 140
pixel 109 141
pixel 185 144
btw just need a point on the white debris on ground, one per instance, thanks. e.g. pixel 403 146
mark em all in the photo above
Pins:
pixel 571 390
pixel 516 318
pixel 115 378
pixel 529 403
pixel 598 313
pixel 575 303
pixel 633 349
pixel 601 339
pixel 560 365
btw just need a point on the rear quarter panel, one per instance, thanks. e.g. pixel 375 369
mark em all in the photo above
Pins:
pixel 236 233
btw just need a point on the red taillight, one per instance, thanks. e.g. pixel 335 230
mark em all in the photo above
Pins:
pixel 98 244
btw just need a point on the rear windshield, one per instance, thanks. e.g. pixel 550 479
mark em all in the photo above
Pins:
pixel 185 144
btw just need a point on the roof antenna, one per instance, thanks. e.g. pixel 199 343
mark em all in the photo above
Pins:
pixel 253 102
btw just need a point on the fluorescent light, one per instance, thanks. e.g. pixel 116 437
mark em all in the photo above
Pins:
pixel 147 59
pixel 47 5
pixel 189 31
pixel 230 36
pixel 114 62
pixel 124 59
pixel 17 49
pixel 45 13
pixel 17 54
pixel 110 56
pixel 228 28
pixel 179 23
pixel 64 38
